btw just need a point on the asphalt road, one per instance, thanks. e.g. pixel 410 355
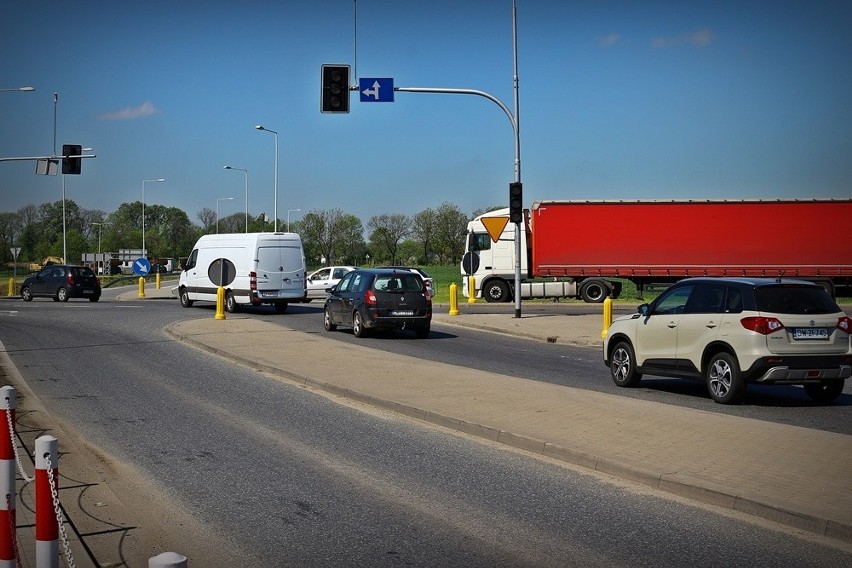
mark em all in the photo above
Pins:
pixel 284 477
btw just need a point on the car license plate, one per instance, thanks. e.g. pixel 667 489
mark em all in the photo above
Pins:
pixel 402 312
pixel 88 291
pixel 810 333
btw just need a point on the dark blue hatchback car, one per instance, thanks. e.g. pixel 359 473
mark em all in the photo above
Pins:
pixel 62 281
pixel 379 299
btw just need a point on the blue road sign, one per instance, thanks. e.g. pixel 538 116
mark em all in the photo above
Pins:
pixel 141 266
pixel 376 90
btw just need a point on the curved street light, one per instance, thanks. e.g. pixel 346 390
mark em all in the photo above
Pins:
pixel 19 89
pixel 261 127
pixel 218 199
pixel 288 217
pixel 245 171
pixel 144 181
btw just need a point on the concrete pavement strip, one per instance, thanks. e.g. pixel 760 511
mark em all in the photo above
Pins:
pixel 795 476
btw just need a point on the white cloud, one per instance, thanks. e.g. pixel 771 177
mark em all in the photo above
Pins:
pixel 699 38
pixel 145 109
pixel 609 40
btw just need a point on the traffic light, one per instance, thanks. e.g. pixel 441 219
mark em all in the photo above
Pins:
pixel 71 165
pixel 335 88
pixel 516 202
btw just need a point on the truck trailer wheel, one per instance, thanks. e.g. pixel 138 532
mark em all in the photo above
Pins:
pixel 495 291
pixel 595 291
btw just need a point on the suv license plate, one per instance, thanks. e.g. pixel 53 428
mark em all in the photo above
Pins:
pixel 402 312
pixel 810 333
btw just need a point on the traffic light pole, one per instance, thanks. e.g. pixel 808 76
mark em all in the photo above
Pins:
pixel 514 120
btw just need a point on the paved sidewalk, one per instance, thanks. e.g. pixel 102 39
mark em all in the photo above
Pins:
pixel 796 476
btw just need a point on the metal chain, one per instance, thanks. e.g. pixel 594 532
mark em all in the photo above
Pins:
pixel 58 511
pixel 13 531
pixel 27 478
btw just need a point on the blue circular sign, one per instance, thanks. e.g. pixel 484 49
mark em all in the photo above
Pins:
pixel 141 266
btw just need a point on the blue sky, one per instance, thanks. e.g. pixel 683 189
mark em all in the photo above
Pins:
pixel 618 100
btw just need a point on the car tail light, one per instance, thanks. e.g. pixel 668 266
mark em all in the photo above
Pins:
pixel 845 324
pixel 762 325
pixel 70 279
pixel 370 298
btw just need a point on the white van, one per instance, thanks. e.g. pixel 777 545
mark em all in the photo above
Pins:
pixel 268 268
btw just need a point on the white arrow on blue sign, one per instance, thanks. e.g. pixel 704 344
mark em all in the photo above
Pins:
pixel 141 266
pixel 376 90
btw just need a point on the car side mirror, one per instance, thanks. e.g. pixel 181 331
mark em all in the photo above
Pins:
pixel 644 309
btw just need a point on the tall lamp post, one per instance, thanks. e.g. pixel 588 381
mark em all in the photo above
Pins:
pixel 261 127
pixel 218 199
pixel 245 171
pixel 100 226
pixel 18 89
pixel 144 181
pixel 288 218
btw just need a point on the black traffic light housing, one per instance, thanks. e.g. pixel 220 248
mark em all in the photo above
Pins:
pixel 71 165
pixel 516 202
pixel 335 89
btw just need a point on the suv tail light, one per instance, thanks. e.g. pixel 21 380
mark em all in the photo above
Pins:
pixel 370 298
pixel 845 324
pixel 762 325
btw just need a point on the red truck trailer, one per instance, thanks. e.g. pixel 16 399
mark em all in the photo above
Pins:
pixel 659 242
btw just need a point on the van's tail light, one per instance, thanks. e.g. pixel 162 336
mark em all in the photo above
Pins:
pixel 762 325
pixel 253 297
pixel 370 298
pixel 845 324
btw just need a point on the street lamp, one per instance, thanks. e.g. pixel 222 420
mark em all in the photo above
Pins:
pixel 218 199
pixel 288 218
pixel 261 127
pixel 100 226
pixel 19 89
pixel 144 181
pixel 245 171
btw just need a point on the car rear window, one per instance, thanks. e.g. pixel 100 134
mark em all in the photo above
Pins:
pixel 398 283
pixel 794 299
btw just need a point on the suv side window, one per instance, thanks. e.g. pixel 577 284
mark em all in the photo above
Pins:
pixel 673 300
pixel 706 299
pixel 734 301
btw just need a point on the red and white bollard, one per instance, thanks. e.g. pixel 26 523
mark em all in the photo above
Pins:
pixel 46 523
pixel 8 491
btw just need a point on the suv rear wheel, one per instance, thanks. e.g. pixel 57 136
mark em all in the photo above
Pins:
pixel 724 382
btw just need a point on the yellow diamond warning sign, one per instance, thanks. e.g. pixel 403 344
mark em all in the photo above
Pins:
pixel 495 226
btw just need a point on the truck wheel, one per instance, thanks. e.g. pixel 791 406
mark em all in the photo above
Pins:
pixel 231 305
pixel 594 291
pixel 496 291
pixel 184 298
pixel 622 366
pixel 825 391
pixel 724 382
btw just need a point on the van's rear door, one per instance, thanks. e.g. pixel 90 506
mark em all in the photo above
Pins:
pixel 280 273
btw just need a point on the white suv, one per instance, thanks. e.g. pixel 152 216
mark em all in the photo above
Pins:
pixel 733 331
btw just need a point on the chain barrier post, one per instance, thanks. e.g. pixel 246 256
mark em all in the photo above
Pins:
pixel 46 524
pixel 168 560
pixel 8 523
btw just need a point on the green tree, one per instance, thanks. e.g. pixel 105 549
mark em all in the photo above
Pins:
pixel 450 231
pixel 332 236
pixel 386 232
pixel 423 228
